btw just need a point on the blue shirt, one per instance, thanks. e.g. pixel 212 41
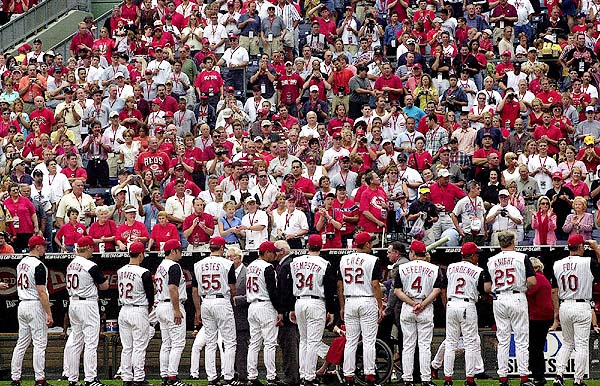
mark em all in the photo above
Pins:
pixel 255 26
pixel 414 112
pixel 227 224
pixel 151 216
pixel 390 33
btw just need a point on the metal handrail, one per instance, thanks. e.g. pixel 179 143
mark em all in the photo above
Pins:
pixel 36 19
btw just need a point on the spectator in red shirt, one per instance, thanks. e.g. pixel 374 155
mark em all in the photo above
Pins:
pixel 162 232
pixel 198 227
pixel 510 108
pixel 73 170
pixel 541 315
pixel 373 205
pixel 43 115
pixel 153 159
pixel 103 231
pixel 131 231
pixel 328 222
pixel 68 234
pixel 289 87
pixel 25 223
pixel 389 83
pixel 84 40
pixel 549 132
pixel 589 155
pixel 547 95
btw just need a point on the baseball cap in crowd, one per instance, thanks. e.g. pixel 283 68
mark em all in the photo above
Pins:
pixel 424 189
pixel 532 49
pixel 268 246
pixel 343 158
pixel 557 176
pixel 36 240
pixel 438 20
pixel 17 162
pixel 589 140
pixel 218 241
pixel 229 89
pixel 402 157
pixel 330 194
pixel 418 247
pixel 337 134
pixel 172 244
pixel 130 209
pixel 576 239
pixel 506 53
pixel 387 140
pixel 469 248
pixel 85 241
pixel 503 192
pixel 258 139
pixel 589 109
pixel 169 114
pixel 314 87
pixel 136 247
pixel 417 65
pixel 249 199
pixel 205 41
pixel 315 241
pixel 227 113
pixel 487 31
pixel 288 176
pixel 156 101
pixel 443 173
pixel 119 75
pixel 148 72
pixel 361 238
pixel 410 41
pixel 266 122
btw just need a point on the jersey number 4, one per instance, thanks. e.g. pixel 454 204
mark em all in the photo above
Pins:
pixel 571 282
pixel 354 275
pixel 304 281
pixel 504 277
pixel 72 281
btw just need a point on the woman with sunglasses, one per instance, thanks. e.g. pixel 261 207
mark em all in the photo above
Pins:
pixel 6 122
pixel 25 223
pixel 19 115
pixel 543 221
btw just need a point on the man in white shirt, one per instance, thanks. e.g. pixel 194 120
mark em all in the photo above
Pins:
pixel 236 59
pixel 178 207
pixel 503 217
pixel 332 156
pixel 254 224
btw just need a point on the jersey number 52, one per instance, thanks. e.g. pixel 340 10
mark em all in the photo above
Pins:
pixel 354 275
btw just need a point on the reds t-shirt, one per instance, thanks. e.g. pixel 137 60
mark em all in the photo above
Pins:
pixel 157 161
pixel 209 82
pixel 376 202
pixel 127 233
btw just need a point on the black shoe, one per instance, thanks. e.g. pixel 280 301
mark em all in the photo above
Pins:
pixel 74 383
pixel 579 383
pixel 558 381
pixel 430 383
pixel 254 382
pixel 434 373
pixel 539 382
pixel 127 383
pixel 15 383
pixel 194 377
pixel 482 376
pixel 95 382
pixel 42 383
pixel 448 383
pixel 470 383
pixel 142 383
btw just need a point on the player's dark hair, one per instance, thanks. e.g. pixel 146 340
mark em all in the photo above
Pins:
pixel 398 247
pixel 214 248
pixel 314 248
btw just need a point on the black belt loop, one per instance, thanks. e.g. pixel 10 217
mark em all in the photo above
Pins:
pixel 309 297
pixel 217 296
pixel 169 301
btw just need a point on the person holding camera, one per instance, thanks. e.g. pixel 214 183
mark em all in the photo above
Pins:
pixel 503 217
pixel 510 109
pixel 314 103
pixel 454 98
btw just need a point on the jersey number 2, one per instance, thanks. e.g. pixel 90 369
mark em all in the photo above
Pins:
pixel 460 285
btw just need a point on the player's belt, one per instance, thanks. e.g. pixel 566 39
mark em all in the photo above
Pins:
pixel 309 297
pixel 134 305
pixel 29 300
pixel 169 301
pixel 359 296
pixel 217 296
pixel 461 299
pixel 575 301
pixel 80 298
pixel 260 301
pixel 508 292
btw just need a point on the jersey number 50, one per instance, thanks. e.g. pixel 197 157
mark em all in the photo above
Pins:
pixel 354 275
pixel 72 281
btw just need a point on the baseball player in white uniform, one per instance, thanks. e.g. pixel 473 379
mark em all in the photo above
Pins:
pixel 418 283
pixel 263 315
pixel 84 279
pixel 313 288
pixel 359 294
pixel 34 312
pixel 171 296
pixel 214 280
pixel 136 296
pixel 197 347
pixel 512 274
pixel 466 281
pixel 574 277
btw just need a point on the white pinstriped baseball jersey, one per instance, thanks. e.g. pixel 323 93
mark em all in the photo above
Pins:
pixel 166 271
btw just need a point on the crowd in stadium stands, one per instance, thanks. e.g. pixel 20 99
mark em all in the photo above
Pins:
pixel 266 120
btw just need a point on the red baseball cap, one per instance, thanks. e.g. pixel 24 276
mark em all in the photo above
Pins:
pixel 315 241
pixel 36 240
pixel 418 246
pixel 85 241
pixel 361 238
pixel 218 241
pixel 157 101
pixel 506 52
pixel 169 114
pixel 136 247
pixel 575 240
pixel 268 246
pixel 172 244
pixel 469 248
pixel 557 175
